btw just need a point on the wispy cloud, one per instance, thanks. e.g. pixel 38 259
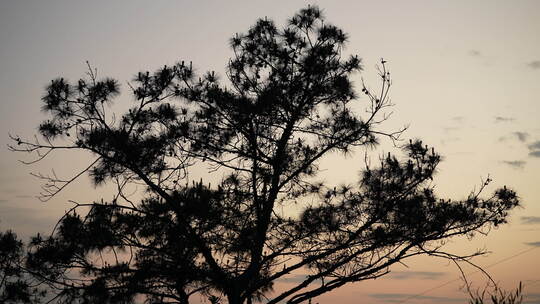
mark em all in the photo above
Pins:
pixel 535 153
pixel 516 164
pixel 535 64
pixel 27 221
pixel 531 298
pixel 504 119
pixel 25 196
pixel 10 179
pixel 535 145
pixel 534 244
pixel 534 149
pixel 521 136
pixel 400 297
pixel 449 129
pixel 480 57
pixel 422 275
pixel 475 53
pixel 446 140
pixel 297 278
pixel 527 220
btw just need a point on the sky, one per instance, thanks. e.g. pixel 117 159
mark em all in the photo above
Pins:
pixel 466 81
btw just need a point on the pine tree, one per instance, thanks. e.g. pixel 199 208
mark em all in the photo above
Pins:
pixel 289 102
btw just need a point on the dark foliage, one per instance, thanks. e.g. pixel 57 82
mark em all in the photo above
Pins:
pixel 15 284
pixel 289 103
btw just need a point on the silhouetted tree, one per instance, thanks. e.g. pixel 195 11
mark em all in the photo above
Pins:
pixel 15 284
pixel 289 102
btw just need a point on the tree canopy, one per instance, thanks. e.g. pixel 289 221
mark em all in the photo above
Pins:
pixel 289 101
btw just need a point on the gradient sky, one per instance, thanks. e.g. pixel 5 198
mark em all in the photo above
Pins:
pixel 466 80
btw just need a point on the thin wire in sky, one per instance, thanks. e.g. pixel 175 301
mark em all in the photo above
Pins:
pixel 471 273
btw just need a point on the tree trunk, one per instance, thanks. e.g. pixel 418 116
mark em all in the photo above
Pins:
pixel 234 298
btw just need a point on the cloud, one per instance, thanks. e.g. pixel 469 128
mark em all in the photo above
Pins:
pixel 449 129
pixel 521 136
pixel 422 275
pixel 27 221
pixel 297 278
pixel 534 244
pixel 535 149
pixel 535 64
pixel 458 118
pixel 516 164
pixel 475 53
pixel 535 153
pixel 9 191
pixel 11 179
pixel 533 229
pixel 535 145
pixel 25 196
pixel 504 119
pixel 531 298
pixel 530 220
pixel 449 139
pixel 400 297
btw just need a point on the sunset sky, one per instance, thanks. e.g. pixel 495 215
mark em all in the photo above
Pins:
pixel 466 81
